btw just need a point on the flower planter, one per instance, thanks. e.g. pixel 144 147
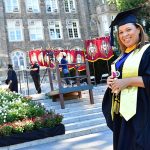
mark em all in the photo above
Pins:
pixel 32 135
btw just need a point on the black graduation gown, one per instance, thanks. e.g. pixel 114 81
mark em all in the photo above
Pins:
pixel 11 75
pixel 135 133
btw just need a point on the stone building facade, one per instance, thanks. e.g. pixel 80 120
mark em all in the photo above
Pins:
pixel 57 24
pixel 3 41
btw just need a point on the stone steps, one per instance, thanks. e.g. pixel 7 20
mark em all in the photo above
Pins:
pixel 74 109
pixel 86 130
pixel 82 118
pixel 83 124
pixel 82 112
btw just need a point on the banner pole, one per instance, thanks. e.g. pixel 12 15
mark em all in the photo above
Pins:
pixel 94 72
pixel 108 67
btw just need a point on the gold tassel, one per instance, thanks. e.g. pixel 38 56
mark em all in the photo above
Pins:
pixel 115 105
pixel 112 107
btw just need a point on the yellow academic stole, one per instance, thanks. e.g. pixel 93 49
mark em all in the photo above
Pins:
pixel 128 96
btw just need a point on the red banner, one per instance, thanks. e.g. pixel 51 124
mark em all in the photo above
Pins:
pixel 37 55
pixel 48 57
pixel 98 48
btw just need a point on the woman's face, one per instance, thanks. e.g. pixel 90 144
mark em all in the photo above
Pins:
pixel 129 34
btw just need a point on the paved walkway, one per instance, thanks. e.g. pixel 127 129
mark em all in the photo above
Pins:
pixel 97 141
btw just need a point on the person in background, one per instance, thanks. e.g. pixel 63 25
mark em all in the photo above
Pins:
pixel 52 64
pixel 35 73
pixel 65 69
pixel 12 80
pixel 126 102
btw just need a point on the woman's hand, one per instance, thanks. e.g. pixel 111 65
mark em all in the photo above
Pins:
pixel 119 84
pixel 110 80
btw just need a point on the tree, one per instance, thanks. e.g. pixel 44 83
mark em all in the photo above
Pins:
pixel 127 4
pixel 144 15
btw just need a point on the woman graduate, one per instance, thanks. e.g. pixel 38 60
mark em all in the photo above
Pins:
pixel 126 103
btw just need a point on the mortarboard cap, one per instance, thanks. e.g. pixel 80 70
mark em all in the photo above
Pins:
pixel 122 18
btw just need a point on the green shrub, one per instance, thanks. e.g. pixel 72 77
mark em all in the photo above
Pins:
pixel 19 114
pixel 38 123
pixel 6 130
pixel 34 110
pixel 18 127
pixel 28 126
pixel 49 122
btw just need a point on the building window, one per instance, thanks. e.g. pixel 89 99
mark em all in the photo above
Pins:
pixel 18 59
pixel 15 30
pixel 32 6
pixel 35 30
pixel 69 5
pixel 11 6
pixel 51 6
pixel 73 29
pixel 102 2
pixel 55 29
